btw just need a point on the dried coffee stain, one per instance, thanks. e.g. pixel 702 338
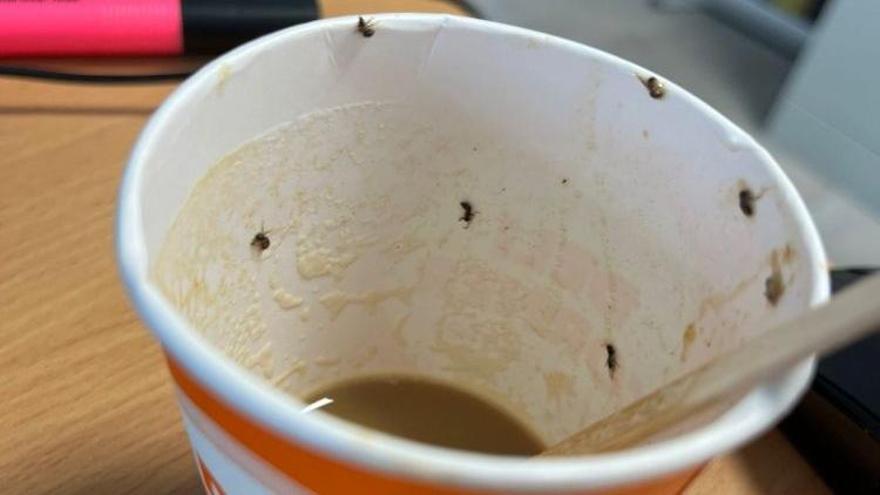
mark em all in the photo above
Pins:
pixel 325 360
pixel 286 300
pixel 223 75
pixel 715 303
pixel 336 301
pixel 687 340
pixel 298 367
pixel 559 386
pixel 774 289
pixel 788 254
pixel 398 331
pixel 774 285
pixel 718 301
pixel 262 361
pixel 476 348
pixel 313 263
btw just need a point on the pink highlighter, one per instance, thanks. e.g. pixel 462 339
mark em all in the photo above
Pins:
pixel 58 28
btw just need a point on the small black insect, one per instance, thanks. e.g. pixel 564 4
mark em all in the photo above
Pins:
pixel 611 359
pixel 467 212
pixel 655 87
pixel 261 239
pixel 747 202
pixel 564 181
pixel 366 27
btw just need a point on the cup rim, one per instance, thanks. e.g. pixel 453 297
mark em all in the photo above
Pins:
pixel 752 415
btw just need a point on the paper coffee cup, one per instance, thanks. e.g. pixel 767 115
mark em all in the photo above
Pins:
pixel 536 221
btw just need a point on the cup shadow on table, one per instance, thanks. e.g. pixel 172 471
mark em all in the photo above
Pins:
pixel 772 465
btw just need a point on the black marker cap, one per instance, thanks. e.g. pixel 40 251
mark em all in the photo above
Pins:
pixel 215 26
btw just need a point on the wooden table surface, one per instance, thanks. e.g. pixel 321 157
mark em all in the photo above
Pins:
pixel 87 405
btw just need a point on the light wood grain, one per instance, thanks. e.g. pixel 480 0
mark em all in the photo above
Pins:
pixel 87 405
pixel 333 8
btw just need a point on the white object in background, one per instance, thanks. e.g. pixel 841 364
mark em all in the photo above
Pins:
pixel 827 112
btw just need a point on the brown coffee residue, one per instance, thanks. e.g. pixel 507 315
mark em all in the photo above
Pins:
pixel 286 300
pixel 297 367
pixel 559 386
pixel 774 285
pixel 335 301
pixel 687 339
pixel 715 303
pixel 788 254
pixel 431 412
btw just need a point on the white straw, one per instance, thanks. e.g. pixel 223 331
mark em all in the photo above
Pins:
pixel 317 404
